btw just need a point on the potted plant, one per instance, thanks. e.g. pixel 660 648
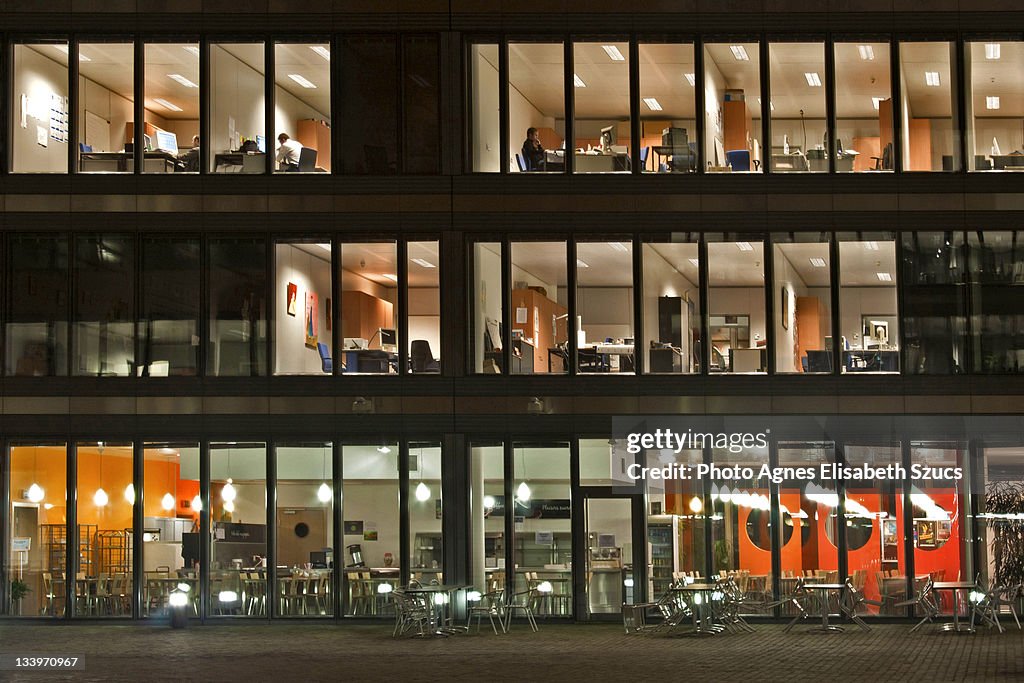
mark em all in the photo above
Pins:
pixel 19 589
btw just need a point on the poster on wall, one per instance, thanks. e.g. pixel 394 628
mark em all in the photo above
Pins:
pixel 370 531
pixel 312 324
pixel 58 118
pixel 327 314
pixel 293 294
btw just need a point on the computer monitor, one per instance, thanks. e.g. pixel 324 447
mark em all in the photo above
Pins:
pixel 167 142
pixel 388 337
pixel 261 144
pixel 148 142
pixel 608 136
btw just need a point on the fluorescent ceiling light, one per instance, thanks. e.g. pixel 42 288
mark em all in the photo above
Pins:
pixel 884 277
pixel 578 82
pixel 992 50
pixel 302 80
pixel 64 49
pixel 422 262
pixel 614 53
pixel 771 105
pixel 818 262
pixel 652 104
pixel 695 262
pixel 992 102
pixel 875 101
pixel 691 79
pixel 390 276
pixel 931 78
pixel 744 246
pixel 740 53
pixel 322 51
pixel 866 52
pixel 181 79
pixel 325 247
pixel 194 49
pixel 871 246
pixel 618 246
pixel 812 79
pixel 580 263
pixel 167 105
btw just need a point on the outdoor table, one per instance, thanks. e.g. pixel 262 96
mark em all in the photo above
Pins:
pixel 821 593
pixel 445 625
pixel 955 587
pixel 700 606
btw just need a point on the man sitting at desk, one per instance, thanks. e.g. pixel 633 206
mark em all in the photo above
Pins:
pixel 533 151
pixel 188 161
pixel 288 153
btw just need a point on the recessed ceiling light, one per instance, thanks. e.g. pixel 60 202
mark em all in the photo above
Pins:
pixel 931 78
pixel 181 79
pixel 168 105
pixel 325 247
pixel 744 246
pixel 813 79
pixel 390 276
pixel 992 50
pixel 875 101
pixel 818 262
pixel 194 49
pixel 578 82
pixel 652 104
pixel 771 105
pixel 740 53
pixel 580 263
pixel 992 102
pixel 694 262
pixel 423 263
pixel 302 80
pixel 866 52
pixel 690 78
pixel 81 57
pixel 618 246
pixel 871 246
pixel 613 53
pixel 322 51
pixel 884 277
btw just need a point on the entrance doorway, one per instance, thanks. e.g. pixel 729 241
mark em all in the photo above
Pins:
pixel 612 547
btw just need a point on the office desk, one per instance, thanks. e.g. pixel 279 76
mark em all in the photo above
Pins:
pixel 789 162
pixel 124 162
pixel 604 351
pixel 871 360
pixel 1007 162
pixel 601 163
pixel 370 361
pixel 554 160
pixel 240 162
pixel 686 162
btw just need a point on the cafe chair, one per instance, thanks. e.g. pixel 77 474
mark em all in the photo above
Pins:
pixel 799 599
pixel 522 602
pixel 986 605
pixel 925 602
pixel 412 611
pixel 852 601
pixel 490 605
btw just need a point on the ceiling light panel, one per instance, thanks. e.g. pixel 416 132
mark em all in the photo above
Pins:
pixel 613 53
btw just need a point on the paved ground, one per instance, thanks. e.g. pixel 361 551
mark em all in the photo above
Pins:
pixel 563 652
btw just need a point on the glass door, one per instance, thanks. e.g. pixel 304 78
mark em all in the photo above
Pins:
pixel 610 539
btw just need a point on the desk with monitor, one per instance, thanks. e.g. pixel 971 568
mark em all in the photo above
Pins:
pixel 240 162
pixel 124 162
pixel 357 356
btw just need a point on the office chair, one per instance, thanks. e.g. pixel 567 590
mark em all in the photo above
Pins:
pixel 421 357
pixel 738 159
pixel 520 163
pixel 84 148
pixel 325 358
pixel 307 160
pixel 644 151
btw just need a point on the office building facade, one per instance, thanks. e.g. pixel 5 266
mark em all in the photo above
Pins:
pixel 356 263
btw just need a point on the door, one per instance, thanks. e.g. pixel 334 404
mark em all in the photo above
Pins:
pixel 612 550
pixel 300 531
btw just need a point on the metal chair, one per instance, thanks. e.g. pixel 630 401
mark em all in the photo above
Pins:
pixel 798 598
pixel 925 601
pixel 490 605
pixel 522 602
pixel 852 600
pixel 412 611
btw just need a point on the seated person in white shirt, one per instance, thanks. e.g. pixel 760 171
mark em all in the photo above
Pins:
pixel 288 153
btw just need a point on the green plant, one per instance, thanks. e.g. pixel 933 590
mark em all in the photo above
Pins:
pixel 19 589
pixel 1006 500
pixel 721 555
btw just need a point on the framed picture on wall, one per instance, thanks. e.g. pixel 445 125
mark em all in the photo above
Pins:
pixel 293 294
pixel 312 322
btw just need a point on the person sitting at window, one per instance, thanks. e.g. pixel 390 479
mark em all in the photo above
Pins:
pixel 533 151
pixel 288 153
pixel 188 161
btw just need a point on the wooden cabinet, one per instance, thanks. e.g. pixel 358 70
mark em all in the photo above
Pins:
pixel 736 123
pixel 317 135
pixel 541 325
pixel 362 315
pixel 809 319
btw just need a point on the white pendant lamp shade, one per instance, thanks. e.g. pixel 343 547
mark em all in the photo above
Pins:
pixel 229 506
pixel 228 493
pixel 197 504
pixel 523 492
pixel 324 493
pixel 422 492
pixel 167 502
pixel 129 494
pixel 100 498
pixel 36 493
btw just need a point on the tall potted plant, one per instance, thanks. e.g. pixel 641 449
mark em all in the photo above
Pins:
pixel 19 589
pixel 1006 499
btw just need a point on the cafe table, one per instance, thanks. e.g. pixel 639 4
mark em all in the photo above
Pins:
pixel 821 592
pixel 443 606
pixel 955 587
pixel 699 597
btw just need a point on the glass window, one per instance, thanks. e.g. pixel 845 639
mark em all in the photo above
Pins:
pixel 172 107
pixel 863 108
pixel 876 560
pixel 676 519
pixel 935 302
pixel 732 103
pixel 604 306
pixel 106 498
pixel 171 540
pixel 868 319
pixel 540 308
pixel 485 110
pixel 39 127
pixel 799 135
pixel 940 509
pixel 487 519
pixel 37 558
pixel 542 498
pixel 104 306
pixel 995 105
pixel 601 101
pixel 106 92
pixel 372 528
pixel 536 107
pixel 425 512
pixel 238 521
pixel 809 509
pixel 302 107
pixel 487 307
pixel 671 312
pixel 997 312
pixel 928 97
pixel 305 529
pixel 238 307
pixel 369 77
pixel 37 330
pixel 369 307
pixel 238 125
pixel 668 119
pixel 424 296
pixel 736 321
pixel 421 117
pixel 169 326
pixel 803 302
pixel 303 329
pixel 999 507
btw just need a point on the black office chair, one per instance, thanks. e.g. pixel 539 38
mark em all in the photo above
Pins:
pixel 307 160
pixel 325 358
pixel 421 357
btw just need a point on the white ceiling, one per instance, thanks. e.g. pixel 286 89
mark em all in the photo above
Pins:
pixel 730 266
pixel 536 71
pixel 742 75
pixel 546 261
pixel 678 255
pixel 915 60
pixel 372 260
pixel 300 59
pixel 790 90
pixel 1003 77
pixel 596 68
pixel 859 265
pixel 663 69
pixel 163 59
pixel 799 256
